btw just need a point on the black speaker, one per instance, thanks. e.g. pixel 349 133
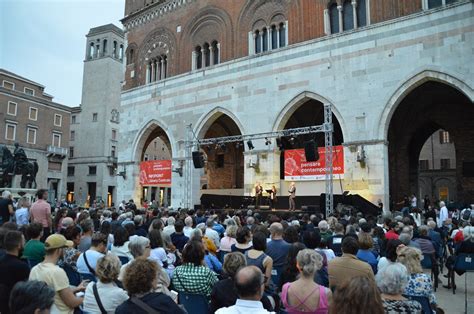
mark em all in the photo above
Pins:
pixel 220 161
pixel 198 159
pixel 311 151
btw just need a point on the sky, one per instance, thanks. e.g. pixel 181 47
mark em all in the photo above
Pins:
pixel 44 40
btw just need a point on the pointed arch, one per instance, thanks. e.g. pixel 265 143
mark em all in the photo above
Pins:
pixel 208 119
pixel 409 85
pixel 147 133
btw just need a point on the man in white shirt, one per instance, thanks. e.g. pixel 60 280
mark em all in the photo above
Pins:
pixel 250 285
pixel 87 264
pixel 169 229
pixel 413 201
pixel 443 214
pixel 211 233
pixel 188 228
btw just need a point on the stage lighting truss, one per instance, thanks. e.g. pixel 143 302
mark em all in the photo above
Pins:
pixel 326 128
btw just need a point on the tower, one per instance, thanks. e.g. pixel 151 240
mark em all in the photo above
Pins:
pixel 95 127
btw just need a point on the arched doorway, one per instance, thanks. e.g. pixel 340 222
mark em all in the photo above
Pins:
pixel 429 107
pixel 306 111
pixel 224 168
pixel 154 146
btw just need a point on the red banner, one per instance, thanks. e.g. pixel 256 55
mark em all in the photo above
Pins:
pixel 155 173
pixel 298 169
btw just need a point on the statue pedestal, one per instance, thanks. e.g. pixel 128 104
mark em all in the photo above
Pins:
pixel 19 192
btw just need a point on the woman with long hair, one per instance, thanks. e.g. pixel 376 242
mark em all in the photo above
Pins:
pixel 358 295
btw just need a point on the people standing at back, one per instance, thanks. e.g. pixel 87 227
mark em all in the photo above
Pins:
pixel 87 261
pixel 6 207
pixel 22 212
pixel 40 212
pixel 34 248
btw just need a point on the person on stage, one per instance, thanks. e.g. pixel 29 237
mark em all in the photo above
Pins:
pixel 292 197
pixel 258 195
pixel 273 197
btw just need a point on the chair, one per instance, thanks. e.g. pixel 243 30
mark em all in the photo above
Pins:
pixel 464 262
pixel 194 303
pixel 429 261
pixel 424 301
pixel 123 259
pixel 73 276
pixel 276 276
pixel 90 277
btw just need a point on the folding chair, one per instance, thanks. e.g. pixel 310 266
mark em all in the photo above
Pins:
pixel 430 262
pixel 424 301
pixel 123 259
pixel 194 303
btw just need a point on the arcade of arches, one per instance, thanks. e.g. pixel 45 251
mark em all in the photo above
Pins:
pixel 425 110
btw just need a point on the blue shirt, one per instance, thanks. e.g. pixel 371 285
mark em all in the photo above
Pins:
pixel 219 228
pixel 278 251
pixel 369 257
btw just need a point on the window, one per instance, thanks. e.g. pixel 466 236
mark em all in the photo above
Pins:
pixel 361 13
pixel 434 3
pixel 258 42
pixel 274 36
pixel 157 69
pixel 424 164
pixel 444 137
pixel 73 135
pixel 58 119
pixel 114 52
pixel 130 56
pixel 282 35
pixel 8 85
pixel 10 131
pixel 198 56
pixel 31 136
pixel 70 171
pixel 114 135
pixel 91 50
pixel 121 52
pixel 104 47
pixel 347 16
pixel 71 152
pixel 215 51
pixel 445 163
pixel 264 40
pixel 92 170
pixel 115 115
pixel 33 114
pixel 94 117
pixel 113 151
pixel 12 108
pixel 334 18
pixel 29 91
pixel 220 161
pixel 56 140
pixel 73 119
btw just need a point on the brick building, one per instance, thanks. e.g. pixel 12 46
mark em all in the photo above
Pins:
pixel 92 167
pixel 394 72
pixel 30 117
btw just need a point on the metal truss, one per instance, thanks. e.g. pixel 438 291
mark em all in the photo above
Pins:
pixel 327 128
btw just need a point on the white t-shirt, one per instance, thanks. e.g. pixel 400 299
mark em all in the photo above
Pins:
pixel 328 252
pixel 158 255
pixel 92 258
pixel 22 216
pixel 110 296
pixel 122 250
pixel 56 278
pixel 413 202
pixel 214 236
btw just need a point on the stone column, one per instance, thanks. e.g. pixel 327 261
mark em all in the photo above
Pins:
pixel 218 53
pixel 327 24
pixel 147 78
pixel 354 12
pixel 254 41
pixel 269 38
pixel 341 24
pixel 162 69
pixel 211 51
pixel 153 71
pixel 277 29
pixel 261 41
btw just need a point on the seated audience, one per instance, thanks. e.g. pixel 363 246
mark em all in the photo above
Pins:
pixel 229 239
pixel 467 247
pixel 141 285
pixel 256 256
pixel 178 238
pixel 335 241
pixel 304 295
pixel 158 252
pixel 392 234
pixel 357 295
pixel 12 268
pixel 249 282
pixel 87 227
pixel 424 241
pixel 277 248
pixel 244 239
pixel 65 299
pixel 193 276
pixel 120 246
pixel 31 297
pixel 348 266
pixel 390 254
pixel 419 283
pixel 34 248
pixel 392 281
pixel 105 295
pixel 291 272
pixel 71 254
pixel 365 252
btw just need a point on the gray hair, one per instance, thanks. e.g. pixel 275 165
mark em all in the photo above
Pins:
pixel 392 279
pixel 137 245
pixel 210 222
pixel 468 233
pixel 431 224
pixel 6 194
pixel 250 220
pixel 201 226
pixel 138 220
pixel 171 221
pixel 423 230
pixel 323 225
pixel 309 261
pixel 405 238
pixel 231 231
pixel 28 296
pixel 196 233
pixel 442 204
pixel 188 221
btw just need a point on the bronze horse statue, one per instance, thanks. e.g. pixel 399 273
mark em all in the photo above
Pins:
pixel 10 168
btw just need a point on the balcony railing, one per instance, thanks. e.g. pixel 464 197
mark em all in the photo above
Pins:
pixel 57 151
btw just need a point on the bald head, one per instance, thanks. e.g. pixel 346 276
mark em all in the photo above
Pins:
pixel 249 283
pixel 276 229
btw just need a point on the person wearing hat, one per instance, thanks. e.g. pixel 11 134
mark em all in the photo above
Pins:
pixel 55 277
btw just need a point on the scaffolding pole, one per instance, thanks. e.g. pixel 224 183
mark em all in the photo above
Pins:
pixel 328 129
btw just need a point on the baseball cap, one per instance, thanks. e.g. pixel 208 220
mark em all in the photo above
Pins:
pixel 57 241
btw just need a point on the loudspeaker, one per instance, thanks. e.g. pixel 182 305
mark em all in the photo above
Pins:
pixel 198 159
pixel 220 161
pixel 311 151
pixel 265 207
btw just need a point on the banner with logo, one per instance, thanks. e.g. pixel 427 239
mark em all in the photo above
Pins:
pixel 298 169
pixel 155 173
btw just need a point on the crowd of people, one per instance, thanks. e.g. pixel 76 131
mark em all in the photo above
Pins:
pixel 150 260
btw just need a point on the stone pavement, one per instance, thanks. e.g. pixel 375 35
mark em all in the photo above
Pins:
pixel 455 303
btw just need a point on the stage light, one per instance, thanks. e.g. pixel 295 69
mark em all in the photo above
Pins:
pixel 267 141
pixel 292 140
pixel 250 145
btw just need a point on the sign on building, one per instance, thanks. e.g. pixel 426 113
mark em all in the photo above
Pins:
pixel 155 173
pixel 298 169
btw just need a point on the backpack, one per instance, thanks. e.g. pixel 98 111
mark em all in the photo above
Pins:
pixel 466 215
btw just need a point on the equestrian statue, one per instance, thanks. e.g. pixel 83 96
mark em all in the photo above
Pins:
pixel 17 164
